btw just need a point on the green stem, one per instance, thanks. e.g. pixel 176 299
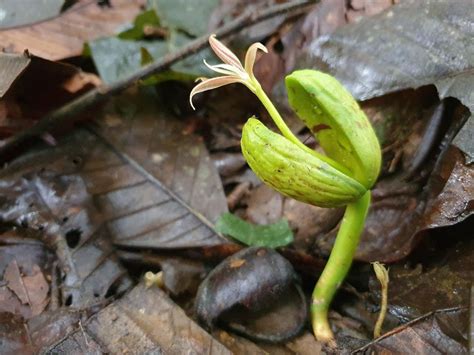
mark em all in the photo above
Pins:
pixel 338 266
pixel 286 131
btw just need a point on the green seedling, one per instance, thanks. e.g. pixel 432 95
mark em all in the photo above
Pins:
pixel 342 177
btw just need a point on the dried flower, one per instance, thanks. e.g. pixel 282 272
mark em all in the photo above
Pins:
pixel 233 70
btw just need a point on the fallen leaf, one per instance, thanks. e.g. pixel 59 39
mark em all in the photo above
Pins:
pixel 17 13
pixel 264 205
pixel 53 84
pixel 32 290
pixel 64 36
pixel 13 335
pixel 143 321
pixel 427 32
pixel 12 65
pixel 437 276
pixel 152 186
pixel 440 332
pixel 190 17
pixel 58 207
pixel 52 326
pixel 177 190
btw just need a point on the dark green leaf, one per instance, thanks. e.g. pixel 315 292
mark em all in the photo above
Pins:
pixel 191 17
pixel 117 58
pixel 23 12
pixel 272 235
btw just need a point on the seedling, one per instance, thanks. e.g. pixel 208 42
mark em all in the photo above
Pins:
pixel 342 177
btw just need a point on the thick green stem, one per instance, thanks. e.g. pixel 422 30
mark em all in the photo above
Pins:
pixel 286 131
pixel 337 266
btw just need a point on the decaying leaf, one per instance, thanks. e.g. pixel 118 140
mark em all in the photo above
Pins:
pixel 176 187
pixel 64 36
pixel 440 332
pixel 32 290
pixel 59 207
pixel 141 177
pixel 438 276
pixel 432 40
pixel 143 321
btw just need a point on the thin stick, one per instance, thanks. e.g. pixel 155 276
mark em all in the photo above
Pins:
pixel 68 112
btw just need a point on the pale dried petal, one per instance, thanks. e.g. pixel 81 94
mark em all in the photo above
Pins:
pixel 213 83
pixel 224 53
pixel 225 69
pixel 251 55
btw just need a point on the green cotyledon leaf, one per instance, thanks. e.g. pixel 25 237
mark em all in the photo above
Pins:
pixel 338 123
pixel 295 172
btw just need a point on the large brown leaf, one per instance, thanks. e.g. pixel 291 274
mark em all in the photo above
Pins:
pixel 64 36
pixel 144 321
pixel 147 183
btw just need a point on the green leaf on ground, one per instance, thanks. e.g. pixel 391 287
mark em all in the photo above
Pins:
pixel 119 56
pixel 191 17
pixel 271 235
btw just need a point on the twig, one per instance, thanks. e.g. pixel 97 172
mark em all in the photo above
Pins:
pixel 382 275
pixel 68 112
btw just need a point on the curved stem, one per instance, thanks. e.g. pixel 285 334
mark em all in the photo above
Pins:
pixel 286 131
pixel 337 266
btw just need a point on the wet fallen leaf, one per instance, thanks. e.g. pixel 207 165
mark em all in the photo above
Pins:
pixel 64 36
pixel 427 32
pixel 440 332
pixel 325 18
pixel 437 276
pixel 176 187
pixel 143 321
pixel 152 186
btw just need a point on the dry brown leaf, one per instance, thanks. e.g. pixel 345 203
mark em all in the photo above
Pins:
pixel 143 321
pixel 64 36
pixel 31 290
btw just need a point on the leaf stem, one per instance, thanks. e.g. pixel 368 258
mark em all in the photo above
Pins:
pixel 338 266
